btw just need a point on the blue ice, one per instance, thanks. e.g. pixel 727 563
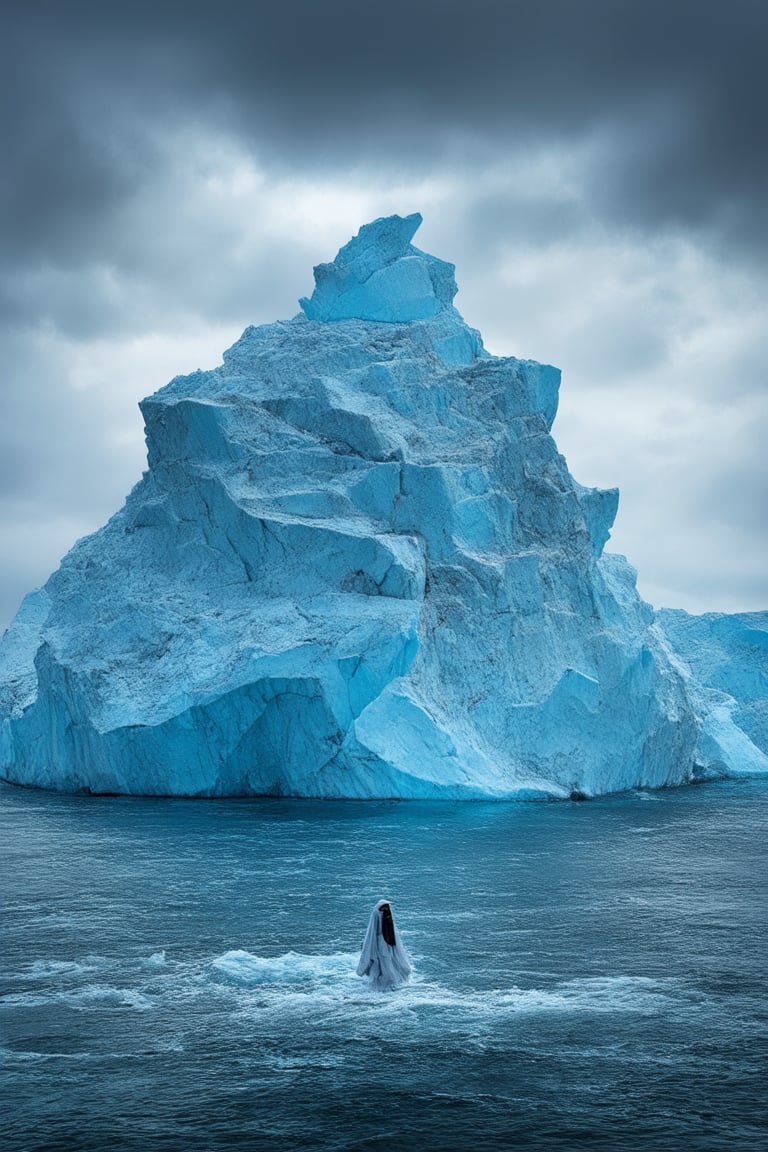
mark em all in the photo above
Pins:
pixel 358 566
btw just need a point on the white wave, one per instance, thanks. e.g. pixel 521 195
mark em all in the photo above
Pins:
pixel 26 1056
pixel 45 969
pixel 304 985
pixel 156 960
pixel 99 994
pixel 319 1060
pixel 295 982
pixel 91 996
pixel 289 968
pixel 605 994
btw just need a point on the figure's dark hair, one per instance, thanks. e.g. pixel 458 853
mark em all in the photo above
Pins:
pixel 388 926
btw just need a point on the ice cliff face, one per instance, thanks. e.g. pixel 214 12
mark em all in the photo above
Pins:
pixel 724 660
pixel 356 566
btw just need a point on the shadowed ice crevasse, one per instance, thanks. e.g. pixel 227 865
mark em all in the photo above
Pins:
pixel 357 566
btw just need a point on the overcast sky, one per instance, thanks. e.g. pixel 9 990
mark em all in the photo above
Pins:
pixel 596 169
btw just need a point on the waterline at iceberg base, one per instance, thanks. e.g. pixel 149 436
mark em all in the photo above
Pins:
pixel 357 566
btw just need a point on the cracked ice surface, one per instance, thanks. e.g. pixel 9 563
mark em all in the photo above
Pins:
pixel 356 566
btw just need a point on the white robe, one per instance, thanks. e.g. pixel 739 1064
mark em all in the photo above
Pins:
pixel 387 966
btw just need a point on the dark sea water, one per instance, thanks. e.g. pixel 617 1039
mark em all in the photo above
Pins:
pixel 180 974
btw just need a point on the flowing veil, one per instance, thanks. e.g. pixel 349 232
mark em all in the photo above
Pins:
pixel 386 965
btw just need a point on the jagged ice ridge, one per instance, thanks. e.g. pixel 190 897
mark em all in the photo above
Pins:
pixel 357 566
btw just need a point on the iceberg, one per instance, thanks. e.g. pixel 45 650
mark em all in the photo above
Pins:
pixel 358 566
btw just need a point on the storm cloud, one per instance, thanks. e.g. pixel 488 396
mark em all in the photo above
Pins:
pixel 597 171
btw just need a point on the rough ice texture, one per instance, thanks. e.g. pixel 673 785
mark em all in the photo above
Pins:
pixel 357 566
pixel 724 660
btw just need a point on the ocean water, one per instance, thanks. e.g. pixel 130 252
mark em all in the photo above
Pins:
pixel 180 974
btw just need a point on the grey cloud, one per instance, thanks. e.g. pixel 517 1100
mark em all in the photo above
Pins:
pixel 673 89
pixel 735 497
pixel 48 417
pixel 64 468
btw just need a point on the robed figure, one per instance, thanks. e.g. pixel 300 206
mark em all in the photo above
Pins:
pixel 383 959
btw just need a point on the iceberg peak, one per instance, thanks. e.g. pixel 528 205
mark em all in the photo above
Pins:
pixel 379 275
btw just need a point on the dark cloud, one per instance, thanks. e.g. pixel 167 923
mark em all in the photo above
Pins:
pixel 670 92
